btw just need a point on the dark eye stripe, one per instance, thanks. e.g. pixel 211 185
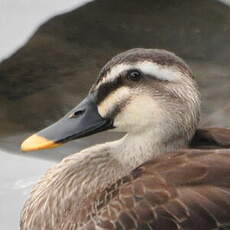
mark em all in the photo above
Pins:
pixel 107 88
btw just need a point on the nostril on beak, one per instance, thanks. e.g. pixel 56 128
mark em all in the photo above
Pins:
pixel 77 113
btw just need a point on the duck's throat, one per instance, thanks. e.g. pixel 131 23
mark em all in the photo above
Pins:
pixel 135 149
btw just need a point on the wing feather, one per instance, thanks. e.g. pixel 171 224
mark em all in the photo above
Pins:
pixel 186 190
pixel 211 138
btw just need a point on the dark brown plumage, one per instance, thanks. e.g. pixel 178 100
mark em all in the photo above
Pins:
pixel 187 190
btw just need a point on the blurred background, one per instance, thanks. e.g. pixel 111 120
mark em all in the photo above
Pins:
pixel 51 52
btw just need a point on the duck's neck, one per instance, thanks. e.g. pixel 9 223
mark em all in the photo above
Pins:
pixel 134 149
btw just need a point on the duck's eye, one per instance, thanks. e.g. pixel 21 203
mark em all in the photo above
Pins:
pixel 134 75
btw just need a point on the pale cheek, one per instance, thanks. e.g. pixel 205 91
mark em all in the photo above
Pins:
pixel 140 113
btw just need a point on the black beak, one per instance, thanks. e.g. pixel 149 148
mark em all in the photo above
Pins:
pixel 81 121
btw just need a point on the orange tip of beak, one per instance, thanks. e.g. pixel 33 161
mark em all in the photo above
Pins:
pixel 36 142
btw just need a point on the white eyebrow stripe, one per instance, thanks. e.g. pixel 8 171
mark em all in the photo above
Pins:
pixel 116 71
pixel 150 68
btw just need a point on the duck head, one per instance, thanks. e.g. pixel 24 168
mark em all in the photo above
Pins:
pixel 137 91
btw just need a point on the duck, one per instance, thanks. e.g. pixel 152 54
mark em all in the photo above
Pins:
pixel 164 173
